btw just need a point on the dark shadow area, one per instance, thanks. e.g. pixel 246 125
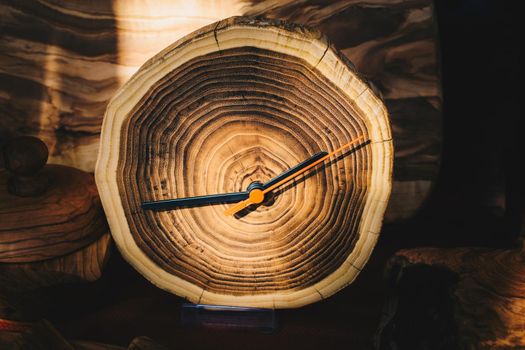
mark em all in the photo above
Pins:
pixel 480 54
pixel 478 199
pixel 419 309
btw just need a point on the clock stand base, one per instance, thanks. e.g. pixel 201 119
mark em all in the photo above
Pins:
pixel 229 317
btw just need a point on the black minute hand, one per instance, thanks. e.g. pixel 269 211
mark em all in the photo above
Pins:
pixel 294 169
pixel 225 197
pixel 195 201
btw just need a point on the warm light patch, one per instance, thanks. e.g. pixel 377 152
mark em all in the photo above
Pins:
pixel 146 27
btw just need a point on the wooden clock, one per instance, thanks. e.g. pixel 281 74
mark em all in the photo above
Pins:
pixel 246 164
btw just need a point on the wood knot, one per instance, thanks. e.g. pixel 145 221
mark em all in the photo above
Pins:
pixel 24 157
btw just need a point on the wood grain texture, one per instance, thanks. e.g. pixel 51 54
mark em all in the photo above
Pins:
pixel 65 218
pixel 486 295
pixel 61 61
pixel 83 265
pixel 52 226
pixel 392 44
pixel 235 102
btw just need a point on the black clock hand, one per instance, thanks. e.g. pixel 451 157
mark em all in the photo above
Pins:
pixel 225 197
pixel 294 169
pixel 194 201
pixel 256 196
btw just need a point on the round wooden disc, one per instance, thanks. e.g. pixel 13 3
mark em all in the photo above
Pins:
pixel 239 101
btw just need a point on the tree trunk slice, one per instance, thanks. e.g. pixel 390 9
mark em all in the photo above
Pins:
pixel 63 60
pixel 66 217
pixel 483 307
pixel 234 102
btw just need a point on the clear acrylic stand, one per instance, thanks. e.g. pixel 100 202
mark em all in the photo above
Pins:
pixel 229 317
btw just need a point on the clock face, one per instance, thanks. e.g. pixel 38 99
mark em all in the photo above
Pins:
pixel 219 111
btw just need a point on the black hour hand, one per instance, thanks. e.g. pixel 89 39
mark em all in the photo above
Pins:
pixel 195 201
